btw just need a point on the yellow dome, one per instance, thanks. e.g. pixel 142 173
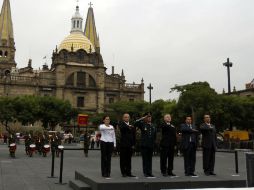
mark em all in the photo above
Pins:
pixel 78 40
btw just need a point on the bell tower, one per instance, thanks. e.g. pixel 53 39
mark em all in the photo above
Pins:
pixel 7 44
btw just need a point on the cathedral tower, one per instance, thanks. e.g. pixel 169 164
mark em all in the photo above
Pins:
pixel 90 29
pixel 7 44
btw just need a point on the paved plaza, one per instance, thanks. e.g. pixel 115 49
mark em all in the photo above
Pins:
pixel 25 173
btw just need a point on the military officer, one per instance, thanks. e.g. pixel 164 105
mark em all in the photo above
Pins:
pixel 148 136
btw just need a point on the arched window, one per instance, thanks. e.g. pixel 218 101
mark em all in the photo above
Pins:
pixel 1 53
pixel 78 24
pixel 81 79
pixel 7 72
pixel 92 82
pixel 65 55
pixel 74 23
pixel 6 54
pixel 81 54
pixel 70 80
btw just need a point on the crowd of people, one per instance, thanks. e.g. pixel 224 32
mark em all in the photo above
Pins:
pixel 168 142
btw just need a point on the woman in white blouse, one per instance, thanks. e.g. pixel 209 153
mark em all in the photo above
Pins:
pixel 108 142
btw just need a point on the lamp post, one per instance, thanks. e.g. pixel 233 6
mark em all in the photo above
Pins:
pixel 150 88
pixel 228 65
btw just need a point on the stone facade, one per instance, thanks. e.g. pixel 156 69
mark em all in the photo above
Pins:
pixel 77 75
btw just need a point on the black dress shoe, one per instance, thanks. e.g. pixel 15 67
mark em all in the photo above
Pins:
pixel 151 175
pixel 193 175
pixel 130 175
pixel 146 175
pixel 207 173
pixel 164 174
pixel 171 174
pixel 211 173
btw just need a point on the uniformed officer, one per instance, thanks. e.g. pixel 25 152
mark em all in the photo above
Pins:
pixel 148 136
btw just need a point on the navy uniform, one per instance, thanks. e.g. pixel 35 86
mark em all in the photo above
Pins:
pixel 209 141
pixel 167 145
pixel 127 142
pixel 189 146
pixel 148 137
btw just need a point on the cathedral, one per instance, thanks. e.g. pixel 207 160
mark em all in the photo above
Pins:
pixel 77 72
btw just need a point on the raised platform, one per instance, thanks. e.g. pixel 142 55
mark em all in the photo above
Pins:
pixel 91 181
pixel 88 176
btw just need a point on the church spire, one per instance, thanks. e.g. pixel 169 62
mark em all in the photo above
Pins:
pixel 90 29
pixel 7 45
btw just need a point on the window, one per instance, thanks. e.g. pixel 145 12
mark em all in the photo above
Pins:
pixel 1 53
pixel 65 56
pixel 92 82
pixel 70 80
pixel 111 100
pixel 6 54
pixel 81 79
pixel 80 102
pixel 77 24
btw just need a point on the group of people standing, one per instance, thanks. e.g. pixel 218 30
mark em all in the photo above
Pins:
pixel 189 143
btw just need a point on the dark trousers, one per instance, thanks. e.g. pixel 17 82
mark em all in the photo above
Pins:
pixel 189 156
pixel 167 159
pixel 147 154
pixel 106 153
pixel 208 159
pixel 125 160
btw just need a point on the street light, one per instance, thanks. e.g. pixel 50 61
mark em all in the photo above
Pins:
pixel 228 65
pixel 150 88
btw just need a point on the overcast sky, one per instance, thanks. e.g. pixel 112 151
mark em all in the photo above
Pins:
pixel 166 42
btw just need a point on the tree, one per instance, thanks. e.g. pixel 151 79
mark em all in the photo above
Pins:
pixel 53 111
pixel 195 99
pixel 27 109
pixel 135 109
pixel 7 112
pixel 238 110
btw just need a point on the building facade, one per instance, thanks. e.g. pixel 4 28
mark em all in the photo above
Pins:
pixel 248 91
pixel 77 72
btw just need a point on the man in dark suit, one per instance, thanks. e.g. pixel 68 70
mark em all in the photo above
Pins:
pixel 189 146
pixel 209 145
pixel 127 142
pixel 167 145
pixel 148 136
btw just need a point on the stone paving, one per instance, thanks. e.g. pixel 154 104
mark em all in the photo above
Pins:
pixel 25 173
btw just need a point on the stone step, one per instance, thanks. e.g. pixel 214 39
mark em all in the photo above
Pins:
pixel 76 184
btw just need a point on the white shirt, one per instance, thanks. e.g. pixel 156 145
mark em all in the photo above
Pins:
pixel 108 133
